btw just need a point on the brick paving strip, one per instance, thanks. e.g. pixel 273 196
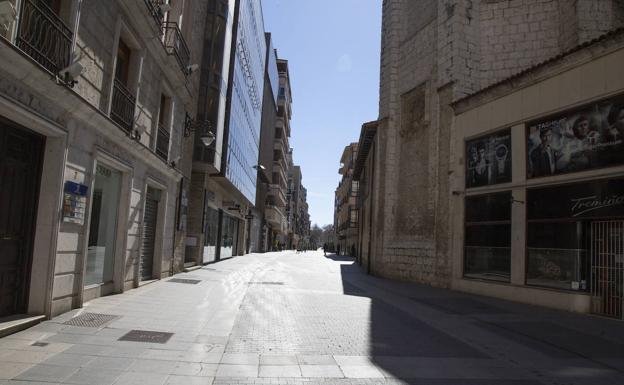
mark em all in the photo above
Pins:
pixel 286 318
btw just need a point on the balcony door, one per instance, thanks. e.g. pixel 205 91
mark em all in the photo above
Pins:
pixel 20 165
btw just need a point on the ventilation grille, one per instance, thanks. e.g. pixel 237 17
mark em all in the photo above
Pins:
pixel 146 336
pixel 183 280
pixel 91 320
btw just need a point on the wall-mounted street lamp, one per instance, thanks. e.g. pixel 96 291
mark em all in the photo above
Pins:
pixel 258 167
pixel 203 126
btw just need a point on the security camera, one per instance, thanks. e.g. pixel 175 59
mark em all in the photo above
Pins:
pixel 192 68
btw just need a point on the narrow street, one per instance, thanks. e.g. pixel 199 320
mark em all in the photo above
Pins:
pixel 302 318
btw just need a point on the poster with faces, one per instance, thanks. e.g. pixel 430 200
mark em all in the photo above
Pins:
pixel 588 137
pixel 488 159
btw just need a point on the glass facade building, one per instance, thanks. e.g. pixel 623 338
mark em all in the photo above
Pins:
pixel 245 112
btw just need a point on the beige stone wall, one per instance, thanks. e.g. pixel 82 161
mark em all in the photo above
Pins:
pixel 86 136
pixel 434 53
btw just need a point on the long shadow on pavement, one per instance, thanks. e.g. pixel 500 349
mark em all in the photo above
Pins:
pixel 405 346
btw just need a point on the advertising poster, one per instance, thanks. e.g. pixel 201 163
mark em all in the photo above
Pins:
pixel 586 138
pixel 489 159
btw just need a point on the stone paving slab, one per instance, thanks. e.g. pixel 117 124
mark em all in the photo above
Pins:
pixel 328 323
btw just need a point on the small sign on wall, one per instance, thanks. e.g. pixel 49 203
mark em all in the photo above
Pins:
pixel 74 202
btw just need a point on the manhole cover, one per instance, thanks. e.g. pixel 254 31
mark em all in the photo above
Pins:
pixel 182 280
pixel 146 336
pixel 91 320
pixel 39 344
pixel 266 283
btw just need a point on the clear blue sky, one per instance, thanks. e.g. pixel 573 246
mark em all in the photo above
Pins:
pixel 332 48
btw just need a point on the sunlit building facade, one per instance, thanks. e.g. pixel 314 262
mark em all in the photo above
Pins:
pixel 230 107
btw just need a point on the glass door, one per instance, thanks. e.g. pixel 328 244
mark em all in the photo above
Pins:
pixel 103 226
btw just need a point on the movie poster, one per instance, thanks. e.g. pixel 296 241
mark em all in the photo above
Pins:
pixel 586 138
pixel 489 159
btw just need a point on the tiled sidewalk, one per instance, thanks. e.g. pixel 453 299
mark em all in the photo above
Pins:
pixel 286 318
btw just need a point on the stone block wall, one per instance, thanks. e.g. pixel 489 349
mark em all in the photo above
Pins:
pixel 432 54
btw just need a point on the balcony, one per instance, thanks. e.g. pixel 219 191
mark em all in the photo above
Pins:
pixel 154 9
pixel 277 193
pixel 273 216
pixel 43 36
pixel 122 109
pixel 162 143
pixel 176 46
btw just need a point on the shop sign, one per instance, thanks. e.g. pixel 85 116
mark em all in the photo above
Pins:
pixel 74 202
pixel 585 138
pixel 489 159
pixel 602 199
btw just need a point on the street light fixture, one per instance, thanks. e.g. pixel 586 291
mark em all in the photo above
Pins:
pixel 206 135
pixel 259 167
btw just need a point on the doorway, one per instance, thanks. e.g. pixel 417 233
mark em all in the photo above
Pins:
pixel 607 267
pixel 21 154
pixel 103 229
pixel 150 220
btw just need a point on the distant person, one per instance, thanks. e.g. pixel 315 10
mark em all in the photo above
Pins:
pixel 325 249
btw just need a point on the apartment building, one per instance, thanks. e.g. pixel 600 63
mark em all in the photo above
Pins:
pixel 276 202
pixel 93 103
pixel 345 207
pixel 299 223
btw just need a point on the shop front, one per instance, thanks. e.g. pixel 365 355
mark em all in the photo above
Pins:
pixel 539 179
pixel 575 241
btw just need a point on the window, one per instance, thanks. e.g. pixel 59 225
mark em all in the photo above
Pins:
pixel 123 63
pixel 487 243
pixel 556 256
pixel 353 218
pixel 282 92
pixel 355 188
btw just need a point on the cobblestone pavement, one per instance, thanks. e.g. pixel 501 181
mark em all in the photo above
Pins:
pixel 303 319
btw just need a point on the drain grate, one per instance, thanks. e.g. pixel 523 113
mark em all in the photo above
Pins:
pixel 183 280
pixel 266 283
pixel 146 336
pixel 91 320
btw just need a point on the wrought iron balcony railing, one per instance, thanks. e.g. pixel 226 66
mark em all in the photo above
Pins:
pixel 122 109
pixel 154 8
pixel 162 143
pixel 176 45
pixel 44 36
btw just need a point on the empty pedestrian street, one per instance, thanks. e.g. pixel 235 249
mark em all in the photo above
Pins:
pixel 302 318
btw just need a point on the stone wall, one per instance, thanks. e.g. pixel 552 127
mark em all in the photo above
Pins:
pixel 432 54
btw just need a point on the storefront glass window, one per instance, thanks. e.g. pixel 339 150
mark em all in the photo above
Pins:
pixel 229 236
pixel 556 256
pixel 102 229
pixel 211 228
pixel 487 251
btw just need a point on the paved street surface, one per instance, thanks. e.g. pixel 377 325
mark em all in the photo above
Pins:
pixel 287 318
